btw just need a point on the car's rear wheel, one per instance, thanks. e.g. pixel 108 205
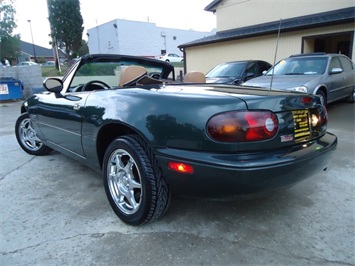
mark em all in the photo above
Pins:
pixel 27 137
pixel 133 182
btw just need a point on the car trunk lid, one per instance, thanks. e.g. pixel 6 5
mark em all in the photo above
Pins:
pixel 301 117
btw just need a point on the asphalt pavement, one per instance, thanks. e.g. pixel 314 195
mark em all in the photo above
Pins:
pixel 53 211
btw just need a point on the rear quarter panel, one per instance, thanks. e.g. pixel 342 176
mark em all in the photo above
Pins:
pixel 162 118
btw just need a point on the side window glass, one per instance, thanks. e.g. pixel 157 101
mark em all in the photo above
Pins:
pixel 334 63
pixel 346 64
pixel 262 67
pixel 251 68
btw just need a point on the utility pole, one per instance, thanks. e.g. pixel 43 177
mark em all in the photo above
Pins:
pixel 54 46
pixel 33 44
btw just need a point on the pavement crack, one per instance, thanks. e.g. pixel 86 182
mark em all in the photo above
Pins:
pixel 311 260
pixel 17 168
pixel 93 235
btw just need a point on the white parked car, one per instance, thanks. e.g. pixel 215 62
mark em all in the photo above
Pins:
pixel 170 57
pixel 27 63
pixel 49 63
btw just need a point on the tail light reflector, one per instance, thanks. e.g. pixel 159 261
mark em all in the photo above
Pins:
pixel 181 167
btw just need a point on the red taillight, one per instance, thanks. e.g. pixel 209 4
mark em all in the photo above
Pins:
pixel 306 100
pixel 181 167
pixel 243 126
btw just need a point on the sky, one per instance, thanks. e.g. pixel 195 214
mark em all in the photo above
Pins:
pixel 179 14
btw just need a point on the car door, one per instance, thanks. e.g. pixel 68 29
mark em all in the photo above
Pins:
pixel 348 75
pixel 60 120
pixel 335 81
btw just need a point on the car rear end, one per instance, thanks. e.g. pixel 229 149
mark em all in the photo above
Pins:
pixel 277 140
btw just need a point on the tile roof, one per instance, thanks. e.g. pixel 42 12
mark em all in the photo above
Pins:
pixel 212 6
pixel 27 48
pixel 339 16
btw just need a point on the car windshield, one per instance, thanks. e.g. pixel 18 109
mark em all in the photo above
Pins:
pixel 300 66
pixel 227 70
pixel 108 72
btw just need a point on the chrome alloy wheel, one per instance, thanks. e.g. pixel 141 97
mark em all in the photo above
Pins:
pixel 124 181
pixel 28 136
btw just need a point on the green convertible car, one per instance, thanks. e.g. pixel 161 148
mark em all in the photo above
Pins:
pixel 151 135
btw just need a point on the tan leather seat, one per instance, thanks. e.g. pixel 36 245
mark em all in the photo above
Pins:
pixel 195 77
pixel 131 74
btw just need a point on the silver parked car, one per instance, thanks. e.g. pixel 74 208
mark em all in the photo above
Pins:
pixel 330 76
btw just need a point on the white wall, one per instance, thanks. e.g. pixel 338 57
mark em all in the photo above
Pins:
pixel 138 38
pixel 233 14
pixel 204 57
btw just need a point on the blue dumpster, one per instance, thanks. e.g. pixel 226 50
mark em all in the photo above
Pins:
pixel 10 89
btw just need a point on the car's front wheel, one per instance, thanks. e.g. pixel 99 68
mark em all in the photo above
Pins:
pixel 351 97
pixel 27 137
pixel 133 182
pixel 322 97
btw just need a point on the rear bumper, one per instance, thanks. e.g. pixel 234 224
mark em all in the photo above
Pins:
pixel 226 175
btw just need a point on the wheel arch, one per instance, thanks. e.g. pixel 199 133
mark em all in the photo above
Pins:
pixel 108 133
pixel 23 109
pixel 323 89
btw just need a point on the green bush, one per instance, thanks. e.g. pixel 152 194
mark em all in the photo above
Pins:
pixel 51 71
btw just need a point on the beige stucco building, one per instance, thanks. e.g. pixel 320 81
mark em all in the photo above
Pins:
pixel 248 29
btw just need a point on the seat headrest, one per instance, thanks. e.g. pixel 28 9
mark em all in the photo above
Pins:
pixel 195 77
pixel 131 74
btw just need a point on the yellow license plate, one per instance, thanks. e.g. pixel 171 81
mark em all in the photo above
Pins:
pixel 301 125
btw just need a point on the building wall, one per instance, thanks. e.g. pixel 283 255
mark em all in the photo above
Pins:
pixel 138 38
pixel 204 57
pixel 233 14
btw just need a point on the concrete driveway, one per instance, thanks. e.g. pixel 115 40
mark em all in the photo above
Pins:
pixel 54 211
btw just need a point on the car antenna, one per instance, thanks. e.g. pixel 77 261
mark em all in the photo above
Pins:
pixel 277 46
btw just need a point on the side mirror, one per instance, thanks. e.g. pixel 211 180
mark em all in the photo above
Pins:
pixel 336 70
pixel 53 85
pixel 264 72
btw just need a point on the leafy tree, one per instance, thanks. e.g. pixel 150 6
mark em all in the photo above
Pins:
pixel 7 18
pixel 10 47
pixel 9 44
pixel 83 50
pixel 66 24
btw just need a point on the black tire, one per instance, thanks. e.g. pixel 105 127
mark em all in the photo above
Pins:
pixel 351 97
pixel 27 137
pixel 322 96
pixel 133 182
